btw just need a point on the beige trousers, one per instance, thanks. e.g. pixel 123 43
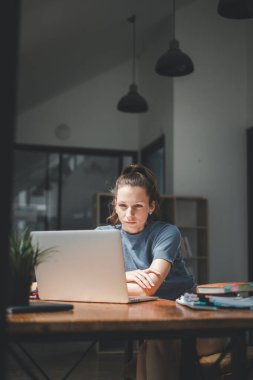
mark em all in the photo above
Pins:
pixel 160 359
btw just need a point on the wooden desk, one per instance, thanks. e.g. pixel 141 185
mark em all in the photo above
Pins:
pixel 159 319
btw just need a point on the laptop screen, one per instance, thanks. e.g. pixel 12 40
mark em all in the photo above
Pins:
pixel 85 265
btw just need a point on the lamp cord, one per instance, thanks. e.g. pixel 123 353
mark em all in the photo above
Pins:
pixel 134 40
pixel 132 20
pixel 173 19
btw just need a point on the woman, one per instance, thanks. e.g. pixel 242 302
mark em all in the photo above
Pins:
pixel 153 263
pixel 151 248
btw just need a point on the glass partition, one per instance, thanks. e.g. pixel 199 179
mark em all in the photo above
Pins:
pixel 54 189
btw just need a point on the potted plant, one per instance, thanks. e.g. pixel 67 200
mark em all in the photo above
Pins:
pixel 24 256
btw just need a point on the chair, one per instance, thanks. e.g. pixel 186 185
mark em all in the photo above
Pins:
pixel 218 366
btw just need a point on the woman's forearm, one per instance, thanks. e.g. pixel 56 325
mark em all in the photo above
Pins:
pixel 147 281
pixel 136 290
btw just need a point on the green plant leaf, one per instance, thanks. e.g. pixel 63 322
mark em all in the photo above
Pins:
pixel 24 255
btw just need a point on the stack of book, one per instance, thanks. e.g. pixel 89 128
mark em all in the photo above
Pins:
pixel 220 295
pixel 225 288
pixel 210 302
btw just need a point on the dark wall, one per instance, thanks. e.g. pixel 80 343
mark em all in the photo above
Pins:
pixel 9 17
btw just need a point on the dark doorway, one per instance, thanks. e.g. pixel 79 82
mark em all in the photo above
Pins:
pixel 153 156
pixel 250 200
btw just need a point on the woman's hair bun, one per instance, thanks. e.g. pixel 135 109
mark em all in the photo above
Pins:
pixel 135 168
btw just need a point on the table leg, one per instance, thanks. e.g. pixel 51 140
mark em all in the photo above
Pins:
pixel 239 357
pixel 22 364
pixel 189 360
pixel 128 355
pixel 29 372
pixel 129 347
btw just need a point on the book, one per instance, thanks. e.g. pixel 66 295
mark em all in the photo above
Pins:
pixel 225 287
pixel 232 302
pixel 192 301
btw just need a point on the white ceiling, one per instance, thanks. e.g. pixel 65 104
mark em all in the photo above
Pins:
pixel 65 42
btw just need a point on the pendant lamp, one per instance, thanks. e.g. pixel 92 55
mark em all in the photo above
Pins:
pixel 174 63
pixel 132 102
pixel 235 9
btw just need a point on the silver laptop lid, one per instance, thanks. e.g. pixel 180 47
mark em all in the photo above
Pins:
pixel 86 266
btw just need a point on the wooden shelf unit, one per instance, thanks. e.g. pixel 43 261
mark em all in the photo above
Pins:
pixel 101 208
pixel 189 214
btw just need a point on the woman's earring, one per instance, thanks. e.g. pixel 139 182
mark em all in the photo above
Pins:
pixel 150 212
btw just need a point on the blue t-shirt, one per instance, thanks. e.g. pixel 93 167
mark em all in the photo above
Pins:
pixel 158 240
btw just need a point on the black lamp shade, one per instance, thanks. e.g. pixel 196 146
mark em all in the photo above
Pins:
pixel 174 63
pixel 132 102
pixel 235 9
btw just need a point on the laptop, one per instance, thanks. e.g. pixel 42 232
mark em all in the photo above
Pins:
pixel 85 266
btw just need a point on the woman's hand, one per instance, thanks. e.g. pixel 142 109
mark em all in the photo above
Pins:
pixel 142 277
pixel 146 282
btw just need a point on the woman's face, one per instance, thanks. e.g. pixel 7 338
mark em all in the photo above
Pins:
pixel 133 207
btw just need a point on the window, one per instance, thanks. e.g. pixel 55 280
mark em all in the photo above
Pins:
pixel 54 187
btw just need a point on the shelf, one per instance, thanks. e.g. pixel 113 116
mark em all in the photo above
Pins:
pixel 195 257
pixel 183 198
pixel 192 227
